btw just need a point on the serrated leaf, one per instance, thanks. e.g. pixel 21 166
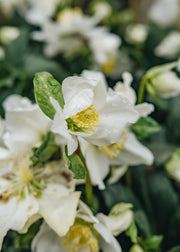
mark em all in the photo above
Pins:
pixel 46 149
pixel 145 127
pixel 152 242
pixel 132 232
pixel 45 86
pixel 120 208
pixel 75 164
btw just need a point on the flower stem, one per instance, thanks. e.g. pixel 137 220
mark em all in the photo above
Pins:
pixel 88 184
pixel 141 91
pixel 88 189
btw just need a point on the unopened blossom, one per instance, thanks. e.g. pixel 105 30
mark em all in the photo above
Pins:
pixel 88 233
pixel 166 84
pixel 169 47
pixel 8 34
pixel 126 150
pixel 172 165
pixel 136 33
pixel 164 12
pixel 28 193
pixel 91 111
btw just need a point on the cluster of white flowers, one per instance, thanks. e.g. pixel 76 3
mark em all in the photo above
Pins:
pixel 94 119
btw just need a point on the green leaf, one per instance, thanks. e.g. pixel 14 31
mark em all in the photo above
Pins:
pixel 75 164
pixel 132 232
pixel 145 127
pixel 142 223
pixel 120 208
pixel 45 86
pixel 152 243
pixel 46 149
pixel 175 249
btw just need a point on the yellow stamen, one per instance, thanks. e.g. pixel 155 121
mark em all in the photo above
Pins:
pixel 114 149
pixel 25 174
pixel 108 66
pixel 86 119
pixel 81 236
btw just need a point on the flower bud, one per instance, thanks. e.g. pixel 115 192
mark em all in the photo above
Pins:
pixel 136 248
pixel 172 165
pixel 8 34
pixel 166 84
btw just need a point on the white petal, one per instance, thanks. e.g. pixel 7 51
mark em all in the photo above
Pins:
pixel 59 211
pixel 47 240
pixel 115 116
pixel 97 163
pixel 107 242
pixel 14 214
pixel 59 126
pixel 144 109
pixel 117 173
pixel 116 224
pixel 134 153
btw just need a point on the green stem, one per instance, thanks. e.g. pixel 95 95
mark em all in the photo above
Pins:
pixel 141 90
pixel 88 184
pixel 88 189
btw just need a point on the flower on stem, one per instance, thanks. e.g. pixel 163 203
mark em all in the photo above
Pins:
pixel 88 233
pixel 127 150
pixel 91 111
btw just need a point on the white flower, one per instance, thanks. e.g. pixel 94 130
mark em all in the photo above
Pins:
pixel 91 112
pixel 127 150
pixel 25 125
pixel 164 12
pixel 104 46
pixel 40 11
pixel 136 34
pixel 28 193
pixel 166 84
pixel 88 233
pixel 72 31
pixel 169 47
pixel 67 34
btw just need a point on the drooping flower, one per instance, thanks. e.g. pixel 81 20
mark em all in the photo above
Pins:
pixel 88 233
pixel 166 84
pixel 91 112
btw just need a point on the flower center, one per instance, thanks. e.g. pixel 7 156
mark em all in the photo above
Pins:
pixel 25 174
pixel 114 149
pixel 81 236
pixel 108 66
pixel 86 120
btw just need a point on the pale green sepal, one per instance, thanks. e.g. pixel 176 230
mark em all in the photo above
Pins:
pixel 45 86
pixel 75 164
pixel 120 208
pixel 154 71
